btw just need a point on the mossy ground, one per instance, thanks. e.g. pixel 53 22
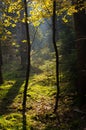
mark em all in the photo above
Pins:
pixel 40 104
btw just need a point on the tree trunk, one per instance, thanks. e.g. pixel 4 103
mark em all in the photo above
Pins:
pixel 1 77
pixel 80 29
pixel 28 65
pixel 56 54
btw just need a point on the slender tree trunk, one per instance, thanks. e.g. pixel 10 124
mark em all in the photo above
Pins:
pixel 1 77
pixel 80 29
pixel 56 54
pixel 28 65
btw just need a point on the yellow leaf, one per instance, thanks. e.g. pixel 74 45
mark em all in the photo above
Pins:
pixel 10 9
pixel 13 25
pixel 6 23
pixel 65 19
pixel 8 32
pixel 13 43
pixel 24 41
pixel 4 38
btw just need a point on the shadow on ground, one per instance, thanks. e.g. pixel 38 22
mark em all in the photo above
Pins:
pixel 9 97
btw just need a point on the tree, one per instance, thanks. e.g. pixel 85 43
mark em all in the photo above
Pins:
pixel 56 54
pixel 80 29
pixel 28 64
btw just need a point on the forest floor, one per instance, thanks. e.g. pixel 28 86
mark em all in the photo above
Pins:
pixel 40 104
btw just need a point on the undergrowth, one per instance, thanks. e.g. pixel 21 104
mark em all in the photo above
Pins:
pixel 40 104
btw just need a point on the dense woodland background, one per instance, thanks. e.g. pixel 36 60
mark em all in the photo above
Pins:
pixel 42 65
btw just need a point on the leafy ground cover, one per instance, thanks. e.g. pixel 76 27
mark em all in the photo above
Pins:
pixel 40 105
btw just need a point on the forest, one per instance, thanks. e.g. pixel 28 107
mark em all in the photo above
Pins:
pixel 42 65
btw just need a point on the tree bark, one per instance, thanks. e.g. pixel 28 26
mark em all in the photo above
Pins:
pixel 28 65
pixel 80 29
pixel 56 54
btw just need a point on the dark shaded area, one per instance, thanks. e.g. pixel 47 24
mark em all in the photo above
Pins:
pixel 10 96
pixel 69 120
pixel 80 29
pixel 1 77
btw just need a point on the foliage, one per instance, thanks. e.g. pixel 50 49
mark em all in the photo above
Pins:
pixel 12 121
pixel 43 67
pixel 44 9
pixel 39 9
pixel 39 114
pixel 12 12
pixel 41 90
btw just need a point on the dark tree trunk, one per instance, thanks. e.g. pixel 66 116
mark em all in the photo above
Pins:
pixel 80 29
pixel 56 54
pixel 1 77
pixel 28 65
